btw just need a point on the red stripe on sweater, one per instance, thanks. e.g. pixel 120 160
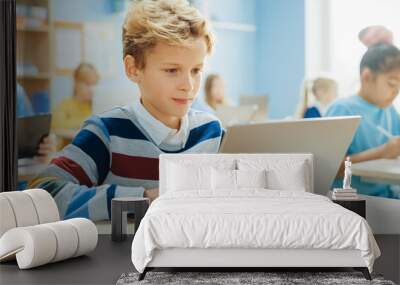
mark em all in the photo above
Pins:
pixel 74 169
pixel 135 167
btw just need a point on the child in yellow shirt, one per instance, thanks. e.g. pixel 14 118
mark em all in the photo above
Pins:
pixel 72 111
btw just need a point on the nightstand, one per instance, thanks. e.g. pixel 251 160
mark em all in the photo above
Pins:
pixel 120 207
pixel 357 206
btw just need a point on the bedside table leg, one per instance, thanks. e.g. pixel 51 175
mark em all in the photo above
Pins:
pixel 116 221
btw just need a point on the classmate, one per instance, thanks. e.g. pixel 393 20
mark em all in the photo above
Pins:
pixel 73 110
pixel 214 91
pixel 116 153
pixel 24 106
pixel 378 135
pixel 324 91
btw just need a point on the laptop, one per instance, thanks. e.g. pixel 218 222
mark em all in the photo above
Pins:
pixel 260 101
pixel 326 138
pixel 234 115
pixel 30 131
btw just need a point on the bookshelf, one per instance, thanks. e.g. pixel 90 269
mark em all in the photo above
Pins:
pixel 34 45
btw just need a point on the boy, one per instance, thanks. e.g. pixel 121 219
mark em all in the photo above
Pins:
pixel 116 154
pixel 378 135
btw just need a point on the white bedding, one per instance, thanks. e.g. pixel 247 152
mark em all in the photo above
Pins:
pixel 250 218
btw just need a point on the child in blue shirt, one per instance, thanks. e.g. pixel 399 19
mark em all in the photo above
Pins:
pixel 378 135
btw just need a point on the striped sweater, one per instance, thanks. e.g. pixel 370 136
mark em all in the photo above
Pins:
pixel 113 155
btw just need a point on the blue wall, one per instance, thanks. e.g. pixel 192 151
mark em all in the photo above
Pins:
pixel 280 53
pixel 269 61
pixel 233 57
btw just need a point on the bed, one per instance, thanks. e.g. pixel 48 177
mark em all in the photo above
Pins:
pixel 246 211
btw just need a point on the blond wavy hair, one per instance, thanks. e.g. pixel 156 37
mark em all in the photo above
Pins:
pixel 174 22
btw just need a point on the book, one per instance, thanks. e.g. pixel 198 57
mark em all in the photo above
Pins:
pixel 341 190
pixel 345 198
pixel 344 194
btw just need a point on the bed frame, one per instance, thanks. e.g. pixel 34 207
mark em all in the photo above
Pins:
pixel 242 259
pixel 248 259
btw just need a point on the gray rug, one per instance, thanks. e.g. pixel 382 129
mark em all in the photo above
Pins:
pixel 231 278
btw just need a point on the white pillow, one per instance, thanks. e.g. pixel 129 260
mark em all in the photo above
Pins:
pixel 295 179
pixel 223 179
pixel 282 174
pixel 251 178
pixel 183 177
pixel 227 179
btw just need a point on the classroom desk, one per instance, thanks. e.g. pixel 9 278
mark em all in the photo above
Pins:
pixel 380 170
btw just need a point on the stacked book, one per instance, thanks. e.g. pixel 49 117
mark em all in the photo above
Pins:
pixel 344 194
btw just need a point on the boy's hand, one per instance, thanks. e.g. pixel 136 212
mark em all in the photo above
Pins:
pixel 151 194
pixel 391 149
